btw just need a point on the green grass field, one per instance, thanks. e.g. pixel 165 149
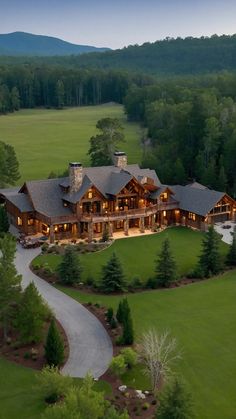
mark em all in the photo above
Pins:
pixel 47 140
pixel 202 317
pixel 138 254
pixel 19 392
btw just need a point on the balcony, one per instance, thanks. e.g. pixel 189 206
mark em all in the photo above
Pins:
pixel 129 214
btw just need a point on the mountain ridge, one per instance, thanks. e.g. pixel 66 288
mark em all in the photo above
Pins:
pixel 23 43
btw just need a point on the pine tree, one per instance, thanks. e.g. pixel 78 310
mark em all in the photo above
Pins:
pixel 31 315
pixel 210 260
pixel 165 266
pixel 54 348
pixel 70 269
pixel 9 282
pixel 231 256
pixel 128 330
pixel 112 276
pixel 119 313
pixel 175 403
pixel 4 223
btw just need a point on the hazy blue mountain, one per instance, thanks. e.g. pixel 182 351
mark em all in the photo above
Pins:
pixel 22 43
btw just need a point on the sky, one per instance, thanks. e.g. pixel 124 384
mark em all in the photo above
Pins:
pixel 118 23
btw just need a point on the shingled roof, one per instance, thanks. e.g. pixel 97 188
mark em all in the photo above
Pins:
pixel 197 200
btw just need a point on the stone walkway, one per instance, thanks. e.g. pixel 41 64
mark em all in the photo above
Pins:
pixel 225 232
pixel 90 345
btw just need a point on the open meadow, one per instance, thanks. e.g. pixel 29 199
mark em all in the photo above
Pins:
pixel 46 140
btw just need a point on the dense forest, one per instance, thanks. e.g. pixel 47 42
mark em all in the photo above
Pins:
pixel 191 129
pixel 168 57
pixel 29 86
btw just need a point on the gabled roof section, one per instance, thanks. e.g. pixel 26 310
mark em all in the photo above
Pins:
pixel 46 197
pixel 76 196
pixel 196 200
pixel 20 201
pixel 118 181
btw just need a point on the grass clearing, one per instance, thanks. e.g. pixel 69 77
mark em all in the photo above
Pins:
pixel 46 140
pixel 138 254
pixel 202 317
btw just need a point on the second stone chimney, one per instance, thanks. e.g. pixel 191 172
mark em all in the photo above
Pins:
pixel 76 176
pixel 120 159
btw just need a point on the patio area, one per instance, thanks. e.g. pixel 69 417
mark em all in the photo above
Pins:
pixel 225 229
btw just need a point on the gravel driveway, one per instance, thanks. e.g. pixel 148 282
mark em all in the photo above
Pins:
pixel 90 345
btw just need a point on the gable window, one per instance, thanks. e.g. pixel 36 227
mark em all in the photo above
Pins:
pixel 192 216
pixel 90 194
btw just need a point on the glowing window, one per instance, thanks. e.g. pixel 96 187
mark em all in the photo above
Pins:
pixel 19 221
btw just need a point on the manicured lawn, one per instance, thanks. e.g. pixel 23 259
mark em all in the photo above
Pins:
pixel 19 396
pixel 46 140
pixel 202 317
pixel 138 254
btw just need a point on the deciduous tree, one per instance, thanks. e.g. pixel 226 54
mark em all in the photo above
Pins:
pixel 104 144
pixel 157 353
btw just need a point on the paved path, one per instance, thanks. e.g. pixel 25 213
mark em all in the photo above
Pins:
pixel 90 345
pixel 225 232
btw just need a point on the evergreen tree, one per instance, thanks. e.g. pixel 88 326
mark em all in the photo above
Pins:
pixel 9 282
pixel 112 276
pixel 70 269
pixel 165 266
pixel 128 330
pixel 105 234
pixel 175 403
pixel 123 310
pixel 31 315
pixel 54 347
pixel 231 256
pixel 210 260
pixel 15 99
pixel 4 223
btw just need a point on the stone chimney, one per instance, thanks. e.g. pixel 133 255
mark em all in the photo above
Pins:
pixel 76 176
pixel 120 159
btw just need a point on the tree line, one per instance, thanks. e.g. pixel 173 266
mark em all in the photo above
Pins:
pixel 191 128
pixel 50 86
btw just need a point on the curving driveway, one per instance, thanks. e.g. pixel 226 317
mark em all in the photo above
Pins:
pixel 90 345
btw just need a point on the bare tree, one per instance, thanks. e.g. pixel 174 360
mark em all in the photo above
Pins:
pixel 157 353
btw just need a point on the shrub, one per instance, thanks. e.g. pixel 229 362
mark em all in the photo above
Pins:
pixel 52 385
pixel 27 355
pixel 109 314
pixel 151 283
pixel 130 356
pixel 89 281
pixel 145 406
pixel 118 365
pixel 113 323
pixel 136 282
pixel 44 247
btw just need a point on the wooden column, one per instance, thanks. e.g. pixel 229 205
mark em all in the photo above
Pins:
pixel 141 225
pixel 126 227
pixel 51 234
pixel 152 221
pixel 90 231
pixel 110 229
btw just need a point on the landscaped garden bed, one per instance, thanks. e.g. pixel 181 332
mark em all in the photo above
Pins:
pixel 30 355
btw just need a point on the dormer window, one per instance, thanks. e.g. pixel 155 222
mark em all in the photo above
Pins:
pixel 90 194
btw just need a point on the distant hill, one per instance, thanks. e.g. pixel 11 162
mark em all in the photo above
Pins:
pixel 22 43
pixel 170 56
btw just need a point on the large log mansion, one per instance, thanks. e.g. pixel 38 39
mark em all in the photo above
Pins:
pixel 117 198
